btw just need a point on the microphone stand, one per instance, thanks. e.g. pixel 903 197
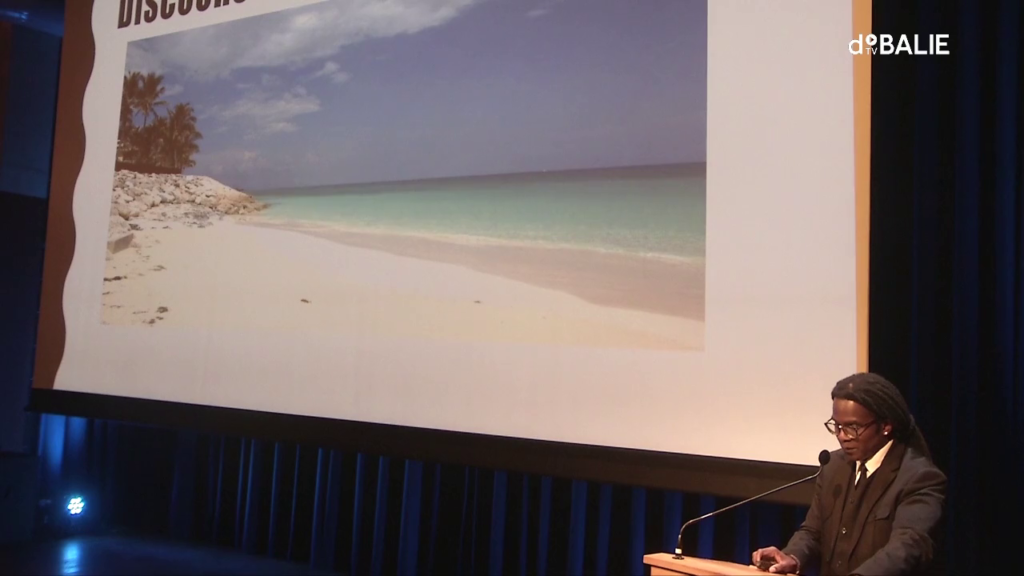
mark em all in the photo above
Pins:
pixel 679 542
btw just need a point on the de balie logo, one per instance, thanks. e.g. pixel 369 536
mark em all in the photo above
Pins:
pixel 886 44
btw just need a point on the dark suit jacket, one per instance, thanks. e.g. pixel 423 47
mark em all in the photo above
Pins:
pixel 894 530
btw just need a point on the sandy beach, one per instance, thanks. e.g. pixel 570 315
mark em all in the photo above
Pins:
pixel 184 267
pixel 659 286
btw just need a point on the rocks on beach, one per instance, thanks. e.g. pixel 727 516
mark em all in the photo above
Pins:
pixel 187 200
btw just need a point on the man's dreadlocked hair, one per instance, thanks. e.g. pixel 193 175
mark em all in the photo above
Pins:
pixel 883 399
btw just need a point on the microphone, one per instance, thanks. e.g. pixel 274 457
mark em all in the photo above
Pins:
pixel 823 459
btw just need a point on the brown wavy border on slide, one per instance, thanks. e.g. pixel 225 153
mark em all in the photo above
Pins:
pixel 77 56
pixel 862 175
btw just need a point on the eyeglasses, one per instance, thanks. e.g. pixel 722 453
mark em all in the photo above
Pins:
pixel 852 430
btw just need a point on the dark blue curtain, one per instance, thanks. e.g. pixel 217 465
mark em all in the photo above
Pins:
pixel 362 514
pixel 948 257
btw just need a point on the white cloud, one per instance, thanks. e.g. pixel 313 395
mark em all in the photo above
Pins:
pixel 260 113
pixel 173 89
pixel 333 71
pixel 328 69
pixel 269 80
pixel 238 167
pixel 291 37
pixel 138 59
pixel 537 12
pixel 232 159
pixel 249 167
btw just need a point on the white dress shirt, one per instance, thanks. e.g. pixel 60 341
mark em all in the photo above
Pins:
pixel 875 461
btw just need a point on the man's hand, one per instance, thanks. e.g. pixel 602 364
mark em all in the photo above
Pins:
pixel 781 563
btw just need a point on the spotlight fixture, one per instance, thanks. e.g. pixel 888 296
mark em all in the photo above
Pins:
pixel 76 505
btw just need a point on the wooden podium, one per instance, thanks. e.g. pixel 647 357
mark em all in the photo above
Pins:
pixel 666 565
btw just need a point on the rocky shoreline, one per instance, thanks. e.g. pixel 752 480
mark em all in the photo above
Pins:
pixel 144 200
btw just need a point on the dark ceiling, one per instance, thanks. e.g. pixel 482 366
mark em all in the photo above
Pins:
pixel 43 15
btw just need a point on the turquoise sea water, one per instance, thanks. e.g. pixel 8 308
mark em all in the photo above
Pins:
pixel 651 211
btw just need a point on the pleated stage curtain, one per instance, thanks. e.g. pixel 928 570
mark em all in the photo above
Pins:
pixel 947 303
pixel 363 514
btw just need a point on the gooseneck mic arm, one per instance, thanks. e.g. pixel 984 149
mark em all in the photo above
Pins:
pixel 823 459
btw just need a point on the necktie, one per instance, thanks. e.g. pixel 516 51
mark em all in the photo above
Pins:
pixel 862 473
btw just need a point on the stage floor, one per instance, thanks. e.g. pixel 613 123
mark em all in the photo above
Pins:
pixel 116 555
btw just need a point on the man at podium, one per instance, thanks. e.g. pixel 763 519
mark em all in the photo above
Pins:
pixel 879 500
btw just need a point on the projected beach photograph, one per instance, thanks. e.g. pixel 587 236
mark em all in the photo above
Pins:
pixel 519 172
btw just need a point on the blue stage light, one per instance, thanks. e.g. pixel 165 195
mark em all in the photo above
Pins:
pixel 76 505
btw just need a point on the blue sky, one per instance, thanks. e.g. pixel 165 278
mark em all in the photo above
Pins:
pixel 345 91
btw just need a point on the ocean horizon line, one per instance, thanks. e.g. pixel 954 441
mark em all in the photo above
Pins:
pixel 684 169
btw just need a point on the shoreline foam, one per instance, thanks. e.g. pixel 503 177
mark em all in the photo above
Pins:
pixel 325 227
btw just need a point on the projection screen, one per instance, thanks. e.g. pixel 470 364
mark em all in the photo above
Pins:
pixel 639 225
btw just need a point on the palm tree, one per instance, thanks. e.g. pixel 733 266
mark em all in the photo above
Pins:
pixel 168 141
pixel 181 137
pixel 129 102
pixel 150 91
